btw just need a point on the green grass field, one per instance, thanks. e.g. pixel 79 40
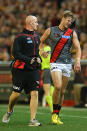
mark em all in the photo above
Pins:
pixel 74 119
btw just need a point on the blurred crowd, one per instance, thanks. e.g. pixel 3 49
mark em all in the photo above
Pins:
pixel 14 12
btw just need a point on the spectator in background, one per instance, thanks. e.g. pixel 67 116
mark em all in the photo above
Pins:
pixel 83 39
pixel 80 83
pixel 11 11
pixel 84 51
pixel 4 56
pixel 83 90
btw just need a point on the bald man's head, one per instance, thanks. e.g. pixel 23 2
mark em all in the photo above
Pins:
pixel 31 22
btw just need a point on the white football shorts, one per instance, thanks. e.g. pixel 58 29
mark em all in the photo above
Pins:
pixel 64 68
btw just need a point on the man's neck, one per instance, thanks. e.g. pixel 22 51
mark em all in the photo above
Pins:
pixel 61 27
pixel 29 28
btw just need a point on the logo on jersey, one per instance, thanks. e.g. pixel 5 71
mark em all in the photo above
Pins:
pixel 37 82
pixel 29 40
pixel 65 36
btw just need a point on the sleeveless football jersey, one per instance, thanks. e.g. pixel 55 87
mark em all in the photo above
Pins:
pixel 55 36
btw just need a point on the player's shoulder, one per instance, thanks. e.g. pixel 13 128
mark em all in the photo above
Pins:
pixel 53 28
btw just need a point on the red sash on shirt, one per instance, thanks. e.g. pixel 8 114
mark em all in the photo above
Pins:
pixel 60 45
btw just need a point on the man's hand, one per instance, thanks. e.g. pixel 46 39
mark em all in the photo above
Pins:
pixel 38 60
pixel 35 59
pixel 77 67
pixel 35 62
pixel 32 61
pixel 44 54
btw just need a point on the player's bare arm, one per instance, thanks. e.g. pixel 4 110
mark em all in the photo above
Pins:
pixel 43 39
pixel 77 66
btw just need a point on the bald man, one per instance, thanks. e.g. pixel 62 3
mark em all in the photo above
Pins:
pixel 25 69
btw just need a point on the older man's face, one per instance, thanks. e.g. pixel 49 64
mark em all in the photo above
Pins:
pixel 34 23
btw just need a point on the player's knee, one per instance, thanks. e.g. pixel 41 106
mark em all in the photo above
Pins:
pixel 34 94
pixel 17 95
pixel 58 88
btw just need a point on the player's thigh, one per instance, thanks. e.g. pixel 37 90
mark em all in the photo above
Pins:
pixel 57 78
pixel 15 94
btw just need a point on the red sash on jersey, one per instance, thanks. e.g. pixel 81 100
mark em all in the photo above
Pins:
pixel 60 46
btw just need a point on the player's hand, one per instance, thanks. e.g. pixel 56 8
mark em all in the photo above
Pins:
pixel 77 67
pixel 35 59
pixel 38 60
pixel 32 61
pixel 35 63
pixel 44 54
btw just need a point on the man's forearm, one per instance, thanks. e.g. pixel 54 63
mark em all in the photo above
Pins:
pixel 78 55
pixel 41 47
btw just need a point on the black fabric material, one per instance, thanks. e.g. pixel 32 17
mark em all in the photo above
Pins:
pixel 25 79
pixel 55 106
pixel 26 47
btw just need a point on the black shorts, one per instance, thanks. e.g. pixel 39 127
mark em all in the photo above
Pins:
pixel 24 79
pixel 46 76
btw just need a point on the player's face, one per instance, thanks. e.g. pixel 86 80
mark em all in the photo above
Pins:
pixel 67 22
pixel 35 23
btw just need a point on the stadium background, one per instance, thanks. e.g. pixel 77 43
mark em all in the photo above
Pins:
pixel 49 12
pixel 12 17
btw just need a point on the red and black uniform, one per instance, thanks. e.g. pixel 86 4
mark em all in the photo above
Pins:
pixel 24 75
pixel 60 43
